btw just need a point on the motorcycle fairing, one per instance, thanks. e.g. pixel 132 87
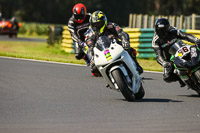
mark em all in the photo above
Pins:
pixel 118 55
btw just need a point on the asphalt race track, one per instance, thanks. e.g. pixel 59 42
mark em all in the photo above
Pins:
pixel 21 39
pixel 41 97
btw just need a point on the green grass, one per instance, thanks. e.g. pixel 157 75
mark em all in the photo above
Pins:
pixel 32 36
pixel 150 65
pixel 41 51
pixel 36 50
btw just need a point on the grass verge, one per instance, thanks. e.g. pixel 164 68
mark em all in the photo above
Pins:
pixel 41 51
pixel 32 36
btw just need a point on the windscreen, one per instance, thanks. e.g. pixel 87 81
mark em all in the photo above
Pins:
pixel 103 42
pixel 176 46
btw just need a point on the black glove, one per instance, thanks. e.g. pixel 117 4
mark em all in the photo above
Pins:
pixel 167 64
pixel 197 42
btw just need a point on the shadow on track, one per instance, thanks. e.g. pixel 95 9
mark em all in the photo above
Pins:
pixel 144 78
pixel 154 100
pixel 193 95
pixel 157 100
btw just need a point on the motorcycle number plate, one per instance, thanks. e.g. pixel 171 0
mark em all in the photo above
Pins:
pixel 107 55
pixel 183 51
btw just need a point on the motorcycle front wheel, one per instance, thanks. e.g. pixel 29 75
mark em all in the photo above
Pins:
pixel 121 82
pixel 197 75
pixel 140 93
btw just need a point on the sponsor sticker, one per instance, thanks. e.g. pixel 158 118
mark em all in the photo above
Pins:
pixel 107 55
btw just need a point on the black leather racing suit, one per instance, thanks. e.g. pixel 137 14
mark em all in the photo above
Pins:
pixel 113 31
pixel 161 48
pixel 77 31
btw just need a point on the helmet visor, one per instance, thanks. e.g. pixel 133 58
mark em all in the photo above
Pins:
pixel 97 25
pixel 79 16
pixel 161 32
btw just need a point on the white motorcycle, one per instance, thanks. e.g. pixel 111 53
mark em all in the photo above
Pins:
pixel 118 68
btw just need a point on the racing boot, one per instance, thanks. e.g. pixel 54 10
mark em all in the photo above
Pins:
pixel 182 84
pixel 189 84
pixel 87 62
pixel 183 78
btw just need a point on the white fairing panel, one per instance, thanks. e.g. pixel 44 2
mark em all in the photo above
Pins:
pixel 108 55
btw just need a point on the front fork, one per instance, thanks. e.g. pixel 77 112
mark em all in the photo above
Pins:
pixel 188 77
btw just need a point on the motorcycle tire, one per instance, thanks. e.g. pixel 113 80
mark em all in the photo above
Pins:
pixel 121 82
pixel 197 75
pixel 140 93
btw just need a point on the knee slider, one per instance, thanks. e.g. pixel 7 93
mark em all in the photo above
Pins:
pixel 170 77
pixel 79 56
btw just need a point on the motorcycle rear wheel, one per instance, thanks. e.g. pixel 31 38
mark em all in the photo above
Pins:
pixel 197 75
pixel 121 82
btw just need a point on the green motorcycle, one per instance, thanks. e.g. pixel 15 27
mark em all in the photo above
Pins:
pixel 181 53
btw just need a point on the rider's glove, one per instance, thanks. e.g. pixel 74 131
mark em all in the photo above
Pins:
pixel 197 42
pixel 167 64
pixel 125 44
pixel 81 44
pixel 90 43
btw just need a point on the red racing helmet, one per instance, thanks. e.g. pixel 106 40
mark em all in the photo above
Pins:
pixel 79 12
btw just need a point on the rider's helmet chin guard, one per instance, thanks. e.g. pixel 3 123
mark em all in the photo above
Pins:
pixel 98 22
pixel 79 12
pixel 162 26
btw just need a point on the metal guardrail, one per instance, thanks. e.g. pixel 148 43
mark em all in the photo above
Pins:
pixel 140 39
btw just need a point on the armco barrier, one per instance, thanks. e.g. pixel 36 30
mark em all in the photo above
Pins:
pixel 67 43
pixel 140 39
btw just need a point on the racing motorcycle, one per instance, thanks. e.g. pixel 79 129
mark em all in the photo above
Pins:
pixel 181 52
pixel 117 68
pixel 6 28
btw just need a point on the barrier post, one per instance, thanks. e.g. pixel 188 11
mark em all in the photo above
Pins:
pixel 130 20
pixel 193 21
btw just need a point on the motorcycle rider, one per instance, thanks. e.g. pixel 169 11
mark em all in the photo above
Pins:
pixel 78 24
pixel 101 27
pixel 15 26
pixel 163 36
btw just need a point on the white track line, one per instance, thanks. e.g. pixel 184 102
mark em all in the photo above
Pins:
pixel 57 62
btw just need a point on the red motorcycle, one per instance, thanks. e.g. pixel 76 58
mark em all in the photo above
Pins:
pixel 8 28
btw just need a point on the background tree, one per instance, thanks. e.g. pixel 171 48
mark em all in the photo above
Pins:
pixel 59 11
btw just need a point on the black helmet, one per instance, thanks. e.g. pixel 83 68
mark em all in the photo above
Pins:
pixel 98 22
pixel 161 27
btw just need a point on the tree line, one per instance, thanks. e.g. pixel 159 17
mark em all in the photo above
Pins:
pixel 59 11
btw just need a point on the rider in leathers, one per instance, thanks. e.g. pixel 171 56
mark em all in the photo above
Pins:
pixel 164 34
pixel 100 27
pixel 78 24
